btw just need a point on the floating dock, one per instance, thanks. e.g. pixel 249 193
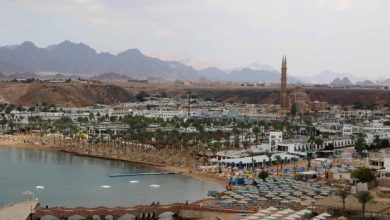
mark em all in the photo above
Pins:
pixel 142 174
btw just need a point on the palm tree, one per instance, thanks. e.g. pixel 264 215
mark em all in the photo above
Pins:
pixel 263 175
pixel 278 159
pixel 343 194
pixel 364 197
pixel 294 160
pixel 269 155
pixel 256 131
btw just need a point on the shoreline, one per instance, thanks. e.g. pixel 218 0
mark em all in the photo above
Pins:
pixel 198 175
pixel 183 170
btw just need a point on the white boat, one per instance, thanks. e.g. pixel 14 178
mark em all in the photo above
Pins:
pixel 134 181
pixel 154 186
pixel 40 187
pixel 105 186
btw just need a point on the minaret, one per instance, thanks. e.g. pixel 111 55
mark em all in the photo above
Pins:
pixel 283 84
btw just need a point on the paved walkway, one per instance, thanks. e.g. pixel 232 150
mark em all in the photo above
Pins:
pixel 18 211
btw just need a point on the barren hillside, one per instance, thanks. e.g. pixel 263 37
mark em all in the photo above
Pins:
pixel 254 95
pixel 76 94
pixel 65 95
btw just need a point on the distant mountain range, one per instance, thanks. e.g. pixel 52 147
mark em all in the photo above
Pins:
pixel 386 82
pixel 327 77
pixel 365 83
pixel 252 73
pixel 338 82
pixel 347 82
pixel 80 59
pixel 73 60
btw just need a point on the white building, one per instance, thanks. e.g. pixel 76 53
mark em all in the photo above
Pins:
pixel 275 137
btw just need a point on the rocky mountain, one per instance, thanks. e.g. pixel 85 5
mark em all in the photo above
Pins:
pixel 256 66
pixel 214 74
pixel 327 76
pixel 365 83
pixel 80 59
pixel 260 74
pixel 386 82
pixel 341 82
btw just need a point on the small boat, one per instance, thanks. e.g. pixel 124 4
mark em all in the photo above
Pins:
pixel 133 181
pixel 154 186
pixel 105 186
pixel 40 187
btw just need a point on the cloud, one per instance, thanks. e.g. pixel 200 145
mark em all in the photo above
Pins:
pixel 345 35
pixel 90 12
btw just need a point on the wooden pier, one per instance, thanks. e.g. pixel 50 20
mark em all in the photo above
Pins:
pixel 18 211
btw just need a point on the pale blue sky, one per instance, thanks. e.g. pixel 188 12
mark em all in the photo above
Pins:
pixel 339 35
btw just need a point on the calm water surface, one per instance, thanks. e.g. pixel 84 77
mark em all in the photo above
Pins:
pixel 71 181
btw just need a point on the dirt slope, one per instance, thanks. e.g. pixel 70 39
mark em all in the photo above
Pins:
pixel 65 95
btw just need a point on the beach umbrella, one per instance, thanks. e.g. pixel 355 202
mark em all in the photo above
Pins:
pixel 296 200
pixel 320 217
pixel 226 197
pixel 231 201
pixel 285 201
pixel 266 211
pixel 305 203
pixel 294 216
pixel 276 198
pixel 260 214
pixel 282 212
pixel 305 211
pixel 289 218
pixel 252 217
pixel 262 199
pixel 325 214
pixel 269 195
pixel 297 193
pixel 277 215
pixel 271 217
pixel 298 214
pixel 242 202
pixel 271 208
pixel 284 194
pixel 288 210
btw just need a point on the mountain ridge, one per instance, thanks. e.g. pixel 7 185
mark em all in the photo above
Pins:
pixel 80 59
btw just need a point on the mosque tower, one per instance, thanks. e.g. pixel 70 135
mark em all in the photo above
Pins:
pixel 283 85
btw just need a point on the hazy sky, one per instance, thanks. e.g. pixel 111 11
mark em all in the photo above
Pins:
pixel 339 35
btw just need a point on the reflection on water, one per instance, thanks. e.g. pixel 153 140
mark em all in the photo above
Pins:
pixel 70 180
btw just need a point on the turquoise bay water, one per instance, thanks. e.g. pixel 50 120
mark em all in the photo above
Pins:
pixel 71 181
